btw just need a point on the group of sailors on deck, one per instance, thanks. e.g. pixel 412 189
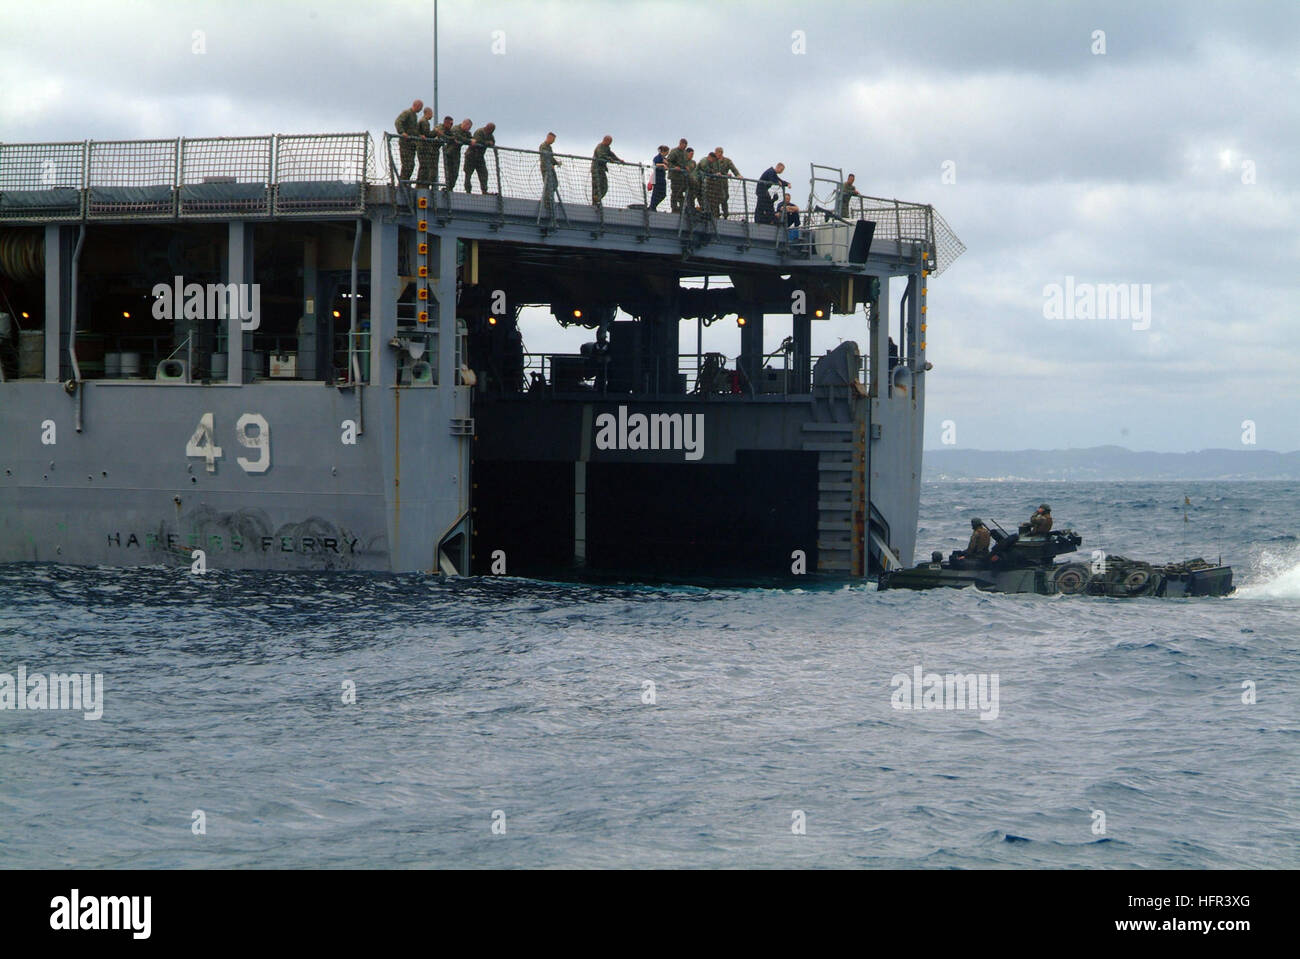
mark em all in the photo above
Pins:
pixel 699 186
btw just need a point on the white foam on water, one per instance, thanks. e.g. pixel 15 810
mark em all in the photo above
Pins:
pixel 1276 576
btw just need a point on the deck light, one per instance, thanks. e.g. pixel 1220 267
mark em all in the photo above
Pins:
pixel 818 313
pixel 577 314
pixel 126 314
pixel 492 321
pixel 337 314
pixel 740 321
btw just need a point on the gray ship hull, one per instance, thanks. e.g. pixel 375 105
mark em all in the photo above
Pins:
pixel 392 428
pixel 124 492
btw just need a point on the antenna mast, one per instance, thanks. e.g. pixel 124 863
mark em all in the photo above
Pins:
pixel 435 59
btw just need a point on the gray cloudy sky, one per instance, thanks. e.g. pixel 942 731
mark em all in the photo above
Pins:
pixel 1132 166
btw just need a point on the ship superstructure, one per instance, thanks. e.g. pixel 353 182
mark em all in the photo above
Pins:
pixel 270 350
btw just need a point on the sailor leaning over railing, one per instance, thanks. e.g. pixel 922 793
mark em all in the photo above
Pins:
pixel 600 160
pixel 764 205
pixel 454 139
pixel 546 158
pixel 476 157
pixel 722 168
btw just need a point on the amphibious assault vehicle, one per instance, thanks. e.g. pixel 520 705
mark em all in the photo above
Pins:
pixel 1021 563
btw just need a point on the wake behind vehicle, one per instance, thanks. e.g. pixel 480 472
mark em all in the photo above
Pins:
pixel 1021 563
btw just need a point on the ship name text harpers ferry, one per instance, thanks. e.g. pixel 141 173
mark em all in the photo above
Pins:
pixel 651 431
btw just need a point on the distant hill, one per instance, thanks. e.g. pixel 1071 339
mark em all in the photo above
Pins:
pixel 1110 463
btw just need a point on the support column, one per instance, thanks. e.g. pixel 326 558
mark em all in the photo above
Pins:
pixel 383 302
pixel 309 333
pixel 913 317
pixel 445 293
pixel 239 272
pixel 880 340
pixel 667 335
pixel 580 512
pixel 802 359
pixel 751 346
pixel 58 271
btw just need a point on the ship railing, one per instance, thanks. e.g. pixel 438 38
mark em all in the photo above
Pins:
pixel 915 227
pixel 208 177
pixel 708 374
pixel 568 181
pixel 357 368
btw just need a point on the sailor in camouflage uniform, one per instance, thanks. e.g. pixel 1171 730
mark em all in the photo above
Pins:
pixel 476 157
pixel 677 174
pixel 427 151
pixel 456 138
pixel 847 192
pixel 600 160
pixel 722 166
pixel 977 551
pixel 546 157
pixel 408 127
pixel 692 169
pixel 708 185
pixel 1040 524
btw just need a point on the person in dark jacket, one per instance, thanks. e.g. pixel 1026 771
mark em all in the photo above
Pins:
pixel 764 210
pixel 660 163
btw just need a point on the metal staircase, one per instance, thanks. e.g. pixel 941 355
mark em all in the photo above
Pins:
pixel 841 491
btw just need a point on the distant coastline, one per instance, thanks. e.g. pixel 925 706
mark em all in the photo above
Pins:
pixel 1102 463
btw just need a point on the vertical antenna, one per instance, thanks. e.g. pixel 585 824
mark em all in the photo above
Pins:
pixel 435 59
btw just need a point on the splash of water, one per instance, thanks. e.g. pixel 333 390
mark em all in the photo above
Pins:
pixel 1274 575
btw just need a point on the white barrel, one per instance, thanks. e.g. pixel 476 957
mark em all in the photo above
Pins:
pixel 31 353
pixel 130 367
pixel 112 365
